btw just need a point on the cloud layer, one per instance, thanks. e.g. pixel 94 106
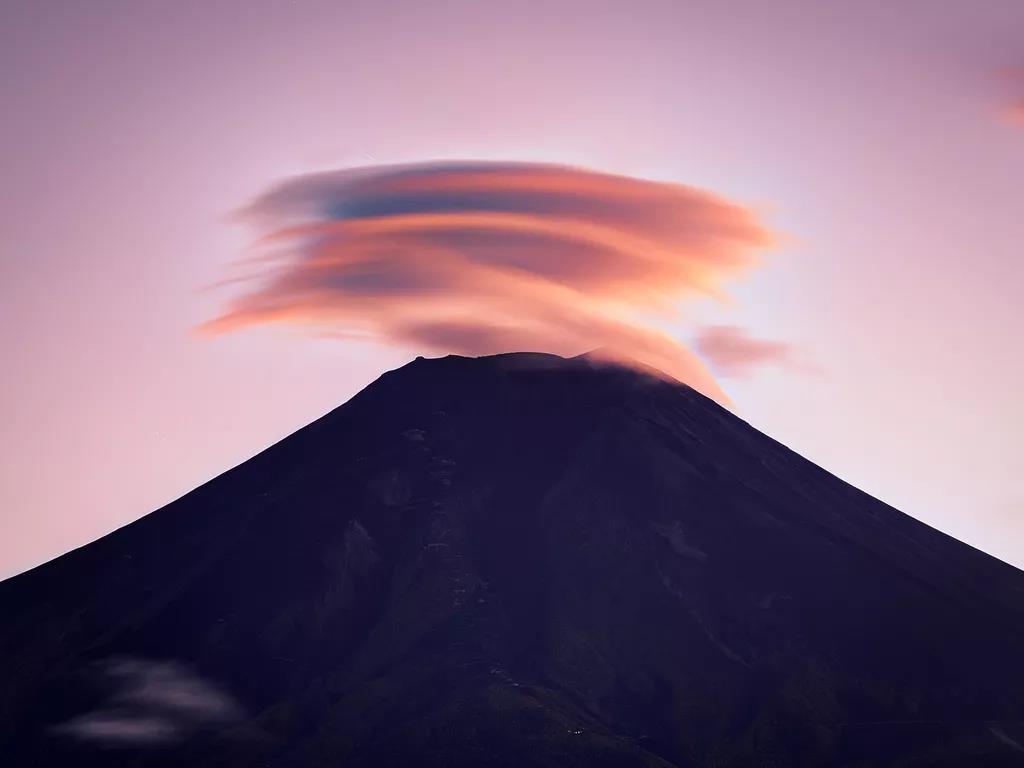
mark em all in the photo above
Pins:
pixel 478 258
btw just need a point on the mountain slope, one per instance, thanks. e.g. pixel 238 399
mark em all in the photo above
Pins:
pixel 520 560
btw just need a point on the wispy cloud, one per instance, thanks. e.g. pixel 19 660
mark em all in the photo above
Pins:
pixel 151 703
pixel 733 352
pixel 477 258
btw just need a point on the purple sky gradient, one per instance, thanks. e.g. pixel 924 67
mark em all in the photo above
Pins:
pixel 874 134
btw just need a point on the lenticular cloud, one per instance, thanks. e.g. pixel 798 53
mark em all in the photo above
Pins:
pixel 479 258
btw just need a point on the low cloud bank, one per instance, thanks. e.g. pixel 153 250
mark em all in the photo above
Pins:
pixel 151 703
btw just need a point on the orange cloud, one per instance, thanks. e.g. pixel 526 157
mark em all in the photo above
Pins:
pixel 478 258
pixel 731 351
pixel 1013 79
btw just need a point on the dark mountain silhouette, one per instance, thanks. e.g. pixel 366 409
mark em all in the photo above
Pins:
pixel 520 560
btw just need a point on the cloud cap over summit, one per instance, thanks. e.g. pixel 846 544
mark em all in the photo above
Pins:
pixel 481 257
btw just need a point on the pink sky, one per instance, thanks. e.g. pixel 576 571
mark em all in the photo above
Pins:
pixel 873 134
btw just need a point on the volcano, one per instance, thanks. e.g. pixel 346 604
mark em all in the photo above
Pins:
pixel 518 560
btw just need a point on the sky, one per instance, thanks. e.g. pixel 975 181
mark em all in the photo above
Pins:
pixel 863 161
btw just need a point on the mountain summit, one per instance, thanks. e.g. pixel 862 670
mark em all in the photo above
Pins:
pixel 519 560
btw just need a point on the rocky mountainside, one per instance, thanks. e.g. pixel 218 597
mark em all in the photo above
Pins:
pixel 520 560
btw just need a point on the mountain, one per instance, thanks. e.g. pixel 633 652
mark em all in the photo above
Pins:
pixel 518 560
